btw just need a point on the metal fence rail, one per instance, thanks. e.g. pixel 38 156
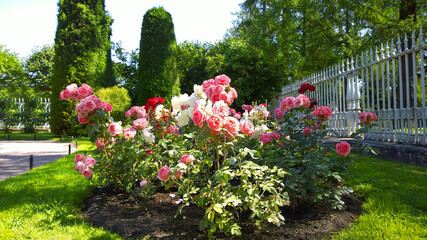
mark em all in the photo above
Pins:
pixel 20 106
pixel 389 81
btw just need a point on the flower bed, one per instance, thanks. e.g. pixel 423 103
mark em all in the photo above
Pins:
pixel 237 167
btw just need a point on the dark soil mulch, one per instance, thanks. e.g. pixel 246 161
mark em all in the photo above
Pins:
pixel 122 214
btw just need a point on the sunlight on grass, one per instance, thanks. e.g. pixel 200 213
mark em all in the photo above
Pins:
pixel 395 205
pixel 43 203
pixel 34 136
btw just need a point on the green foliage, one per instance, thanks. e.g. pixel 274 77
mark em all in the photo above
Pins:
pixel 192 61
pixel 126 70
pixel 81 50
pixel 310 35
pixel 8 110
pixel 39 67
pixel 11 69
pixel 158 73
pixel 255 77
pixel 33 114
pixel 118 98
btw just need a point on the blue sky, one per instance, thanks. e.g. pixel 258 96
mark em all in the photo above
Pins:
pixel 25 24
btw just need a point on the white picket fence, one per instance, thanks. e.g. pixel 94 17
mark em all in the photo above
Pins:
pixel 20 103
pixel 383 81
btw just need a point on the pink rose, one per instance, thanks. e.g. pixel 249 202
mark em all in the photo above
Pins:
pixel 115 129
pixel 143 183
pixel 178 174
pixel 83 92
pixel 128 113
pixel 79 166
pixel 90 161
pixel 140 123
pixel 222 80
pixel 232 93
pixel 265 138
pixel 100 143
pixel 322 113
pixel 206 84
pixel 297 103
pixel 367 118
pixel 89 105
pixel 88 88
pixel 287 103
pixel 129 133
pixel 343 148
pixel 187 159
pixel 279 113
pixel 79 158
pixel 215 122
pixel 275 135
pixel 247 108
pixel 99 103
pixel 82 119
pixel 64 95
pixel 74 95
pixel 199 117
pixel 247 127
pixel 87 172
pixel 232 126
pixel 108 107
pixel 164 173
pixel 305 100
pixel 221 109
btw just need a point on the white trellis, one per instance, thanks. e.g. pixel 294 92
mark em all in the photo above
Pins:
pixel 389 81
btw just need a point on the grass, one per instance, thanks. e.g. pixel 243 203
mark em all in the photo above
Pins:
pixel 43 203
pixel 395 200
pixel 15 135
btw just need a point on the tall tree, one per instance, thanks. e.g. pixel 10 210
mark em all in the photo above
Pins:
pixel 39 67
pixel 158 73
pixel 81 50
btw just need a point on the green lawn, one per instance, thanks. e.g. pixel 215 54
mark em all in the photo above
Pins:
pixel 42 204
pixel 34 136
pixel 395 200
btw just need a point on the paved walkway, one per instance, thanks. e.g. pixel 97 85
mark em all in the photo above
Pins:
pixel 15 155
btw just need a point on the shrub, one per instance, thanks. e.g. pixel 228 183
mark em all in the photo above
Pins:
pixel 118 98
pixel 237 167
pixel 157 73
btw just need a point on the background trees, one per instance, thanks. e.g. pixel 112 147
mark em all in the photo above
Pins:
pixel 39 67
pixel 157 73
pixel 309 35
pixel 82 42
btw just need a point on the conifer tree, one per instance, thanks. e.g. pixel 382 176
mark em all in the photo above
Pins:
pixel 157 73
pixel 82 42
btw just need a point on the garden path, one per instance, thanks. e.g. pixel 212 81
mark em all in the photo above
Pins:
pixel 15 155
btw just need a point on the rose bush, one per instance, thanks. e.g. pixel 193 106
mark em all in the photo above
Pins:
pixel 236 166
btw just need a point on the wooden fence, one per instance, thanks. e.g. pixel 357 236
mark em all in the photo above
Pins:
pixel 389 81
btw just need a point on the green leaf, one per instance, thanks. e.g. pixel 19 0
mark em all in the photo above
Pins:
pixel 218 208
